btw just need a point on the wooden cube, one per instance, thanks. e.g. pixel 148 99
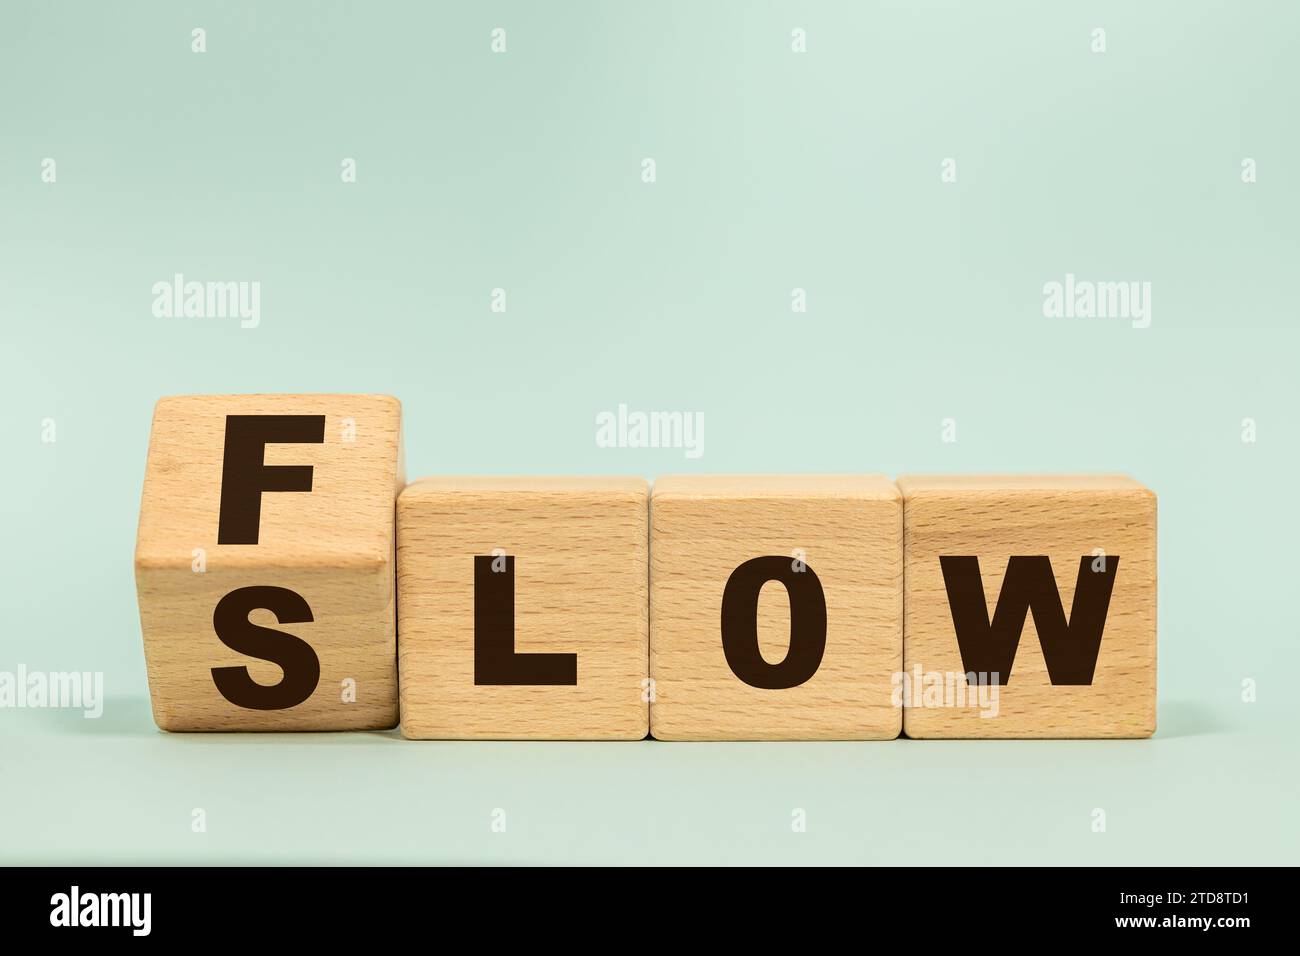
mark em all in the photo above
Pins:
pixel 523 607
pixel 776 607
pixel 264 562
pixel 1056 575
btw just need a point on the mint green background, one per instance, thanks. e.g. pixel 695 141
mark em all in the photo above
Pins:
pixel 775 170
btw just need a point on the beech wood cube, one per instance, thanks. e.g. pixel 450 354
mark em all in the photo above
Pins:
pixel 776 607
pixel 264 562
pixel 523 608
pixel 1030 606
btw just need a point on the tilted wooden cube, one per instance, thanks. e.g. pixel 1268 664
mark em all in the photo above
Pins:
pixel 775 607
pixel 523 608
pixel 1047 582
pixel 264 562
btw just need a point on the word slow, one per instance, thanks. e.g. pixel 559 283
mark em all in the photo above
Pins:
pixel 280 545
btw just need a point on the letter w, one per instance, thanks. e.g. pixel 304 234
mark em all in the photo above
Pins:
pixel 1069 648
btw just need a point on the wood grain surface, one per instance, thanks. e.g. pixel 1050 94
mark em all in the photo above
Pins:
pixel 334 546
pixel 1064 517
pixel 848 529
pixel 579 547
